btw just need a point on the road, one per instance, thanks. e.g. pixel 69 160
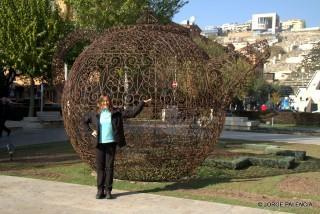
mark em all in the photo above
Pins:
pixel 21 137
pixel 254 136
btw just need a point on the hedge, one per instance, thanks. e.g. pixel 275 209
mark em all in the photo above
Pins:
pixel 243 162
pixel 281 163
pixel 298 155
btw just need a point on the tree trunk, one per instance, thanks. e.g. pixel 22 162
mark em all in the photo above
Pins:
pixel 31 102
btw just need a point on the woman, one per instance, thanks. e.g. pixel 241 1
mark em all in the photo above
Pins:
pixel 106 126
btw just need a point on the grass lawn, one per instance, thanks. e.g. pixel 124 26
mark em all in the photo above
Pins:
pixel 58 162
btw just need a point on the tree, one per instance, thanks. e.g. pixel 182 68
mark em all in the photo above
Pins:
pixel 100 14
pixel 275 98
pixel 264 92
pixel 166 9
pixel 29 31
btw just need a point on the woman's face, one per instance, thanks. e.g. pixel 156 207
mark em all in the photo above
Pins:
pixel 104 103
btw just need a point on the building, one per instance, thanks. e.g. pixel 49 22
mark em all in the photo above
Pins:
pixel 265 23
pixel 243 27
pixel 228 27
pixel 212 31
pixel 307 99
pixel 293 25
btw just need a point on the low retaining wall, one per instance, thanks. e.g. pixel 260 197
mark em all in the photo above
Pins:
pixel 298 118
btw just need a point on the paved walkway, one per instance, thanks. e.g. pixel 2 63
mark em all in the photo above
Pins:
pixel 21 137
pixel 255 136
pixel 24 195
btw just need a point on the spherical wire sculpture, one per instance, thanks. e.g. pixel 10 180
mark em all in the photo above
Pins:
pixel 174 134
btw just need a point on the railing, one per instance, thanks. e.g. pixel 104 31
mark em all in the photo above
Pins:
pixel 312 78
pixel 309 82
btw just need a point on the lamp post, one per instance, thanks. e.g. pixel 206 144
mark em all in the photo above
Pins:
pixel 65 71
pixel 126 86
pixel 41 97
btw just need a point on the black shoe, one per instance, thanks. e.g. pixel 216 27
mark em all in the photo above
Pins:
pixel 100 195
pixel 108 195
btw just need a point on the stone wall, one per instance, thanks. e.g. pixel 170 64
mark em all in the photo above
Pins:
pixel 298 118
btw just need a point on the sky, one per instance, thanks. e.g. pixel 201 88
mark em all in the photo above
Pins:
pixel 218 12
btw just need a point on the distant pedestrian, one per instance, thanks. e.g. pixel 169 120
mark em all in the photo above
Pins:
pixel 4 107
pixel 11 148
pixel 263 107
pixel 106 125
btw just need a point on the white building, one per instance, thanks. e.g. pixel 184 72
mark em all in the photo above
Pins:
pixel 228 27
pixel 265 23
pixel 282 75
pixel 235 27
pixel 242 27
pixel 212 31
pixel 293 25
pixel 308 96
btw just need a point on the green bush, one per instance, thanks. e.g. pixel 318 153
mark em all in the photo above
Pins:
pixel 274 162
pixel 243 162
pixel 298 155
pixel 218 163
pixel 239 163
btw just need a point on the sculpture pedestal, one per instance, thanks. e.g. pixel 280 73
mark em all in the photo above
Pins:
pixel 31 123
pixel 240 123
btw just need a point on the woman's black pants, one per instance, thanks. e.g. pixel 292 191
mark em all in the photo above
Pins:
pixel 105 155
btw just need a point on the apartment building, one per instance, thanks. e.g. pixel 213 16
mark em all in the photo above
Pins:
pixel 265 23
pixel 293 25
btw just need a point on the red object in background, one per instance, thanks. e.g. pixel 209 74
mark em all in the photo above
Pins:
pixel 263 107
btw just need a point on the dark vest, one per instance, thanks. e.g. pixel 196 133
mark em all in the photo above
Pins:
pixel 92 122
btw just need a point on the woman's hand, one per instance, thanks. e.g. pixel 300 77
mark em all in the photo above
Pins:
pixel 94 133
pixel 148 100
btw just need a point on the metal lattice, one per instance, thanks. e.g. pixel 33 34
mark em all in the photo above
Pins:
pixel 173 134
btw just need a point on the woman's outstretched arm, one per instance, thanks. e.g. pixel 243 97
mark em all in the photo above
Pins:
pixel 134 111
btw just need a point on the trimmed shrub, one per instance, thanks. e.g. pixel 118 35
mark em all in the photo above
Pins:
pixel 281 163
pixel 241 163
pixel 286 163
pixel 298 155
